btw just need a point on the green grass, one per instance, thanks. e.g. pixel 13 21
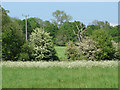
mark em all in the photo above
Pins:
pixel 61 52
pixel 56 77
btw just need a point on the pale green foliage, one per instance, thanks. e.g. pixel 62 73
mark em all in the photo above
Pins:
pixel 88 48
pixel 117 50
pixel 72 51
pixel 42 45
pixel 84 50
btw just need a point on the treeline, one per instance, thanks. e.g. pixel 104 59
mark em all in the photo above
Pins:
pixel 43 35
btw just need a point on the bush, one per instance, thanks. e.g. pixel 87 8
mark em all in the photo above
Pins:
pixel 117 50
pixel 43 48
pixel 26 52
pixel 85 50
pixel 103 40
pixel 72 51
pixel 88 48
pixel 24 56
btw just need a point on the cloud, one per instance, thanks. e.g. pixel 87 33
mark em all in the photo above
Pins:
pixel 111 24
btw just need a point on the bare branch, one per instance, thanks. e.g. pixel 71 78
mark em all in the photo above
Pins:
pixel 74 32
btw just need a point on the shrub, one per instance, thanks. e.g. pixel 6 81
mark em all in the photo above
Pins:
pixel 117 50
pixel 103 40
pixel 43 48
pixel 88 48
pixel 84 50
pixel 24 56
pixel 26 52
pixel 72 51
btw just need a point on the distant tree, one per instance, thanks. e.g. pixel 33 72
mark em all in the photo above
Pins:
pixel 32 23
pixel 66 34
pixel 101 24
pixel 61 17
pixel 50 28
pixel 80 31
pixel 90 29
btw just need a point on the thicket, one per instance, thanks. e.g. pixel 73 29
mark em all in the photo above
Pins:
pixel 99 40
pixel 99 46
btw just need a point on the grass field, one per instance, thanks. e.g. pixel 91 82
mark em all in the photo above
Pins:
pixel 63 74
pixel 61 52
pixel 95 77
pixel 36 75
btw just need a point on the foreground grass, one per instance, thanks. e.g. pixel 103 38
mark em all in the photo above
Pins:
pixel 56 77
pixel 61 52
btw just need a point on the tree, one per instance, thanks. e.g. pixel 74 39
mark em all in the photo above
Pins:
pixel 101 24
pixel 79 33
pixel 60 17
pixel 32 23
pixel 50 28
pixel 43 48
pixel 5 18
pixel 103 40
pixel 12 40
pixel 26 52
pixel 65 32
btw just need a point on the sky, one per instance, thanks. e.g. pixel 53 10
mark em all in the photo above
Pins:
pixel 85 12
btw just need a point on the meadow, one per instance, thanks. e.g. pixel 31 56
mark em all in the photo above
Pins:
pixel 60 74
pixel 75 74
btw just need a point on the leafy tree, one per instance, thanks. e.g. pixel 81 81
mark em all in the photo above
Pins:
pixel 5 18
pixel 101 24
pixel 90 29
pixel 26 52
pixel 12 40
pixel 61 17
pixel 50 28
pixel 32 23
pixel 66 34
pixel 42 45
pixel 104 43
pixel 114 32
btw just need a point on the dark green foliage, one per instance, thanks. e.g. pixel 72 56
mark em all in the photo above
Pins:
pixel 32 23
pixel 66 34
pixel 12 40
pixel 26 52
pixel 104 43
pixel 114 32
pixel 61 32
pixel 50 28
pixel 90 29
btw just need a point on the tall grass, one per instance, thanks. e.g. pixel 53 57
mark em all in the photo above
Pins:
pixel 56 77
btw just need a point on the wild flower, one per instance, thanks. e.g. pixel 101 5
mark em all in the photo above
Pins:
pixel 62 64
